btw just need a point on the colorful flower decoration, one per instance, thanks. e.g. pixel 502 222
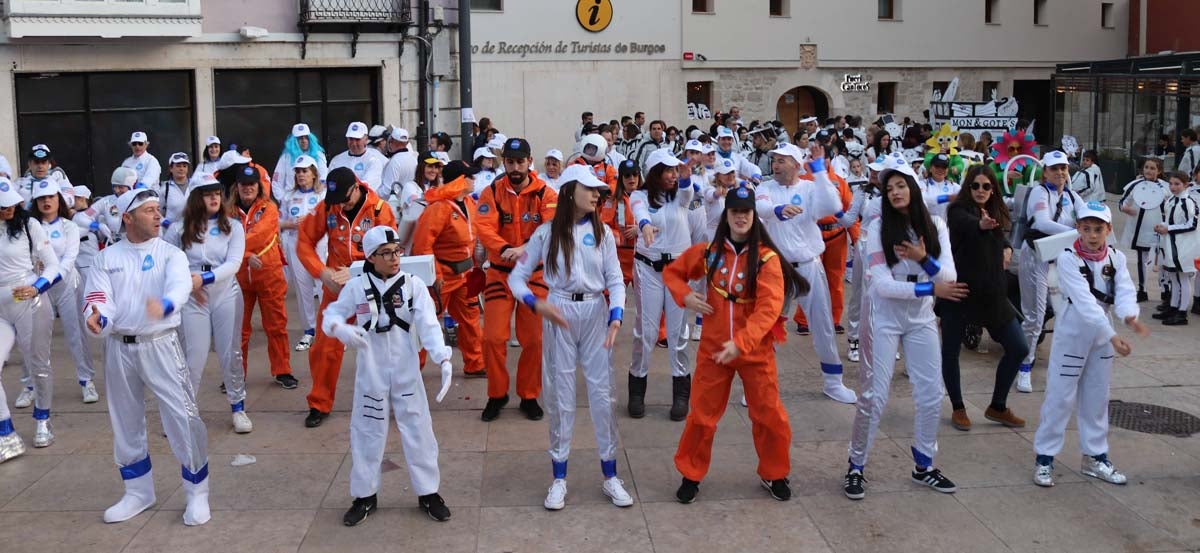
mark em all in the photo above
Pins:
pixel 945 141
pixel 1012 145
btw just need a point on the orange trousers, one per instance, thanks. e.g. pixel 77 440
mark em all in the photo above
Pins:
pixel 710 395
pixel 267 287
pixel 464 310
pixel 324 361
pixel 497 311
pixel 834 260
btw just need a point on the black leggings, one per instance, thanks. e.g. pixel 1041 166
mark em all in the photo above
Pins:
pixel 1009 336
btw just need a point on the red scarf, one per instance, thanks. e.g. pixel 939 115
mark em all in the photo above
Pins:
pixel 1090 256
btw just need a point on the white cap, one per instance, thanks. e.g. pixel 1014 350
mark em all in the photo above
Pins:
pixel 1093 210
pixel 211 140
pixel 497 142
pixel 377 132
pixel 82 191
pixel 792 151
pixel 693 146
pixel 483 151
pixel 124 176
pixel 231 158
pixel 203 183
pixel 304 162
pixel 134 199
pixel 895 164
pixel 552 153
pixel 661 156
pixel 1055 158
pixel 377 237
pixel 399 134
pixel 179 157
pixel 442 157
pixel 707 148
pixel 695 134
pixel 44 187
pixel 725 166
pixel 8 195
pixel 356 129
pixel 581 174
pixel 808 120
pixel 138 136
pixel 724 132
pixel 912 156
pixel 301 129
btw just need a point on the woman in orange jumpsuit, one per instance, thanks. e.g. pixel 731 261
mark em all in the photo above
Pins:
pixel 446 230
pixel 261 276
pixel 746 286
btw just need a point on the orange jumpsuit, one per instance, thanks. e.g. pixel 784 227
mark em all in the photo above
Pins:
pixel 617 218
pixel 507 219
pixel 345 247
pixel 748 322
pixel 837 243
pixel 265 286
pixel 447 231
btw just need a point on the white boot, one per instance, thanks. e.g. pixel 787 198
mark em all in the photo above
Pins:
pixel 241 422
pixel 44 433
pixel 197 503
pixel 139 496
pixel 838 391
pixel 11 446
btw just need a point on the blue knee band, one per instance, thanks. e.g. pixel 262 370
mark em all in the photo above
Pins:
pixel 196 477
pixel 6 427
pixel 239 406
pixel 830 368
pixel 41 414
pixel 136 470
pixel 1103 457
pixel 83 382
pixel 1045 460
pixel 609 468
pixel 560 469
pixel 311 332
pixel 921 459
pixel 1025 367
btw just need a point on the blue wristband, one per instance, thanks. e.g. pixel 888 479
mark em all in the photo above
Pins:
pixel 530 300
pixel 207 277
pixel 168 307
pixel 924 289
pixel 779 212
pixel 166 223
pixel 643 223
pixel 42 285
pixel 616 314
pixel 943 199
pixel 94 227
pixel 931 266
pixel 839 214
pixel 816 165
pixel 57 279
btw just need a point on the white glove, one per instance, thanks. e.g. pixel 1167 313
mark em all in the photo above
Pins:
pixel 351 335
pixel 447 371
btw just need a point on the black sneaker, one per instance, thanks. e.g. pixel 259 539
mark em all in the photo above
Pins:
pixel 433 506
pixel 1142 296
pixel 687 491
pixel 532 410
pixel 481 373
pixel 662 343
pixel 287 381
pixel 362 507
pixel 802 330
pixel 854 485
pixel 779 488
pixel 491 411
pixel 933 478
pixel 839 329
pixel 222 387
pixel 314 418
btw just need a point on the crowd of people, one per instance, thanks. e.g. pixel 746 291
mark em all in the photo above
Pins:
pixel 717 236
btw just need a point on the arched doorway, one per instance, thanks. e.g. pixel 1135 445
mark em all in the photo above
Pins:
pixel 798 103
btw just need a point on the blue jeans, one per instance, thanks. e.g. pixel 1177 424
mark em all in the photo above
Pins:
pixel 1008 334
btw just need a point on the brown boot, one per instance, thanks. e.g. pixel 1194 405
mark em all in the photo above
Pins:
pixel 960 420
pixel 1005 417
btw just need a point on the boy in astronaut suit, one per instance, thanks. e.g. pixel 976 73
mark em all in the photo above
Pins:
pixel 1095 284
pixel 387 307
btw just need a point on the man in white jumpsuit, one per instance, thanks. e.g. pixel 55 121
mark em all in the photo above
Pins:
pixel 388 307
pixel 145 165
pixel 367 163
pixel 791 207
pixel 401 167
pixel 132 298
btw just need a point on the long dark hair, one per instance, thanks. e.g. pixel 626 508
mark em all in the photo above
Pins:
pixel 64 212
pixel 995 206
pixel 793 284
pixel 16 225
pixel 895 225
pixel 562 230
pixel 621 193
pixel 877 144
pixel 656 187
pixel 195 220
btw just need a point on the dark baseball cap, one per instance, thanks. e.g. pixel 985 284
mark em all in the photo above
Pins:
pixel 516 148
pixel 246 174
pixel 629 167
pixel 741 197
pixel 458 168
pixel 338 184
pixel 940 160
pixel 40 151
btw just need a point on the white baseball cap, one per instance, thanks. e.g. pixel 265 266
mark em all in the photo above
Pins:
pixel 8 194
pixel 82 191
pixel 304 162
pixel 1055 158
pixel 552 153
pixel 582 175
pixel 44 187
pixel 725 166
pixel 1093 210
pixel 211 140
pixel 497 142
pixel 483 151
pixel 442 157
pixel 693 146
pixel 203 183
pixel 662 156
pixel 179 157
pixel 138 136
pixel 400 134
pixel 377 237
pixel 808 120
pixel 724 132
pixel 134 199
pixel 301 129
pixel 792 151
pixel 707 148
pixel 124 176
pixel 896 165
pixel 356 129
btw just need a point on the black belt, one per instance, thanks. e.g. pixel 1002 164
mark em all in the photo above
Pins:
pixel 578 297
pixel 205 268
pixel 83 238
pixel 141 339
pixel 829 227
pixel 912 278
pixel 504 269
pixel 659 265
pixel 459 267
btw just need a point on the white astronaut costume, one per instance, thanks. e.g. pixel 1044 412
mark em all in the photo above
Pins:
pixel 31 318
pixel 580 298
pixel 400 168
pixel 1081 355
pixel 149 172
pixel 141 352
pixel 799 240
pixel 1049 212
pixel 294 206
pixel 217 322
pixel 387 314
pixel 1089 184
pixel 1180 214
pixel 1138 233
pixel 368 166
pixel 283 180
pixel 674 236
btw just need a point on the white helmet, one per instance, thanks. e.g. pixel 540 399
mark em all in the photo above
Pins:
pixel 593 148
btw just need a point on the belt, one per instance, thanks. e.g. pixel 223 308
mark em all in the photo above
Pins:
pixel 459 267
pixel 504 269
pixel 205 268
pixel 574 296
pixel 910 278
pixel 829 227
pixel 141 339
pixel 805 262
pixel 659 265
pixel 83 238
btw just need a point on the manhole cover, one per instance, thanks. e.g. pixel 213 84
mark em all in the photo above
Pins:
pixel 1152 419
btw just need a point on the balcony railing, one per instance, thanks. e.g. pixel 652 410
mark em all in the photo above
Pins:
pixel 101 18
pixel 354 17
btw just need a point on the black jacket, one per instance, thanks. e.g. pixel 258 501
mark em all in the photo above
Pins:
pixel 979 259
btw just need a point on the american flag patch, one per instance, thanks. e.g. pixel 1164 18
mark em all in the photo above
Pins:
pixel 876 258
pixel 1039 206
pixel 95 297
pixel 362 309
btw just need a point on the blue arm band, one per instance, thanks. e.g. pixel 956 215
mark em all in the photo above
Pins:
pixel 168 307
pixel 816 165
pixel 42 285
pixel 779 212
pixel 839 214
pixel 94 227
pixel 931 266
pixel 924 289
pixel 103 321
pixel 530 300
pixel 57 279
pixel 943 199
pixel 643 223
pixel 208 277
pixel 616 314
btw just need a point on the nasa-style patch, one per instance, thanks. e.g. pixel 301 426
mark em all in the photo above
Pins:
pixel 797 200
pixel 589 240
pixel 483 209
pixel 215 231
pixel 147 263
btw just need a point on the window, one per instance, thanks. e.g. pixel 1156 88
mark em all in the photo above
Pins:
pixel 699 97
pixel 98 113
pixel 991 15
pixel 991 89
pixel 1106 15
pixel 940 88
pixel 885 100
pixel 1039 12
pixel 253 104
pixel 487 5
pixel 702 6
pixel 781 8
pixel 887 9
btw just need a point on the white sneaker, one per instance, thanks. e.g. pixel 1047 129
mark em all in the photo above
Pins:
pixel 1103 470
pixel 615 490
pixel 24 399
pixel 197 512
pixel 696 332
pixel 139 496
pixel 241 422
pixel 557 497
pixel 838 391
pixel 11 446
pixel 1043 475
pixel 1024 382
pixel 853 354
pixel 744 400
pixel 44 435
pixel 304 343
pixel 90 395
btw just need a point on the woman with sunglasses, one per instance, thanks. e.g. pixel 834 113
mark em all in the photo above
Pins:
pixel 979 224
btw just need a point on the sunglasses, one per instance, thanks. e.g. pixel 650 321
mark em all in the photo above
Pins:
pixel 986 186
pixel 143 195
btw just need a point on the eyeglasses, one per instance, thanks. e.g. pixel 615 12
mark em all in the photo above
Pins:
pixel 389 255
pixel 986 186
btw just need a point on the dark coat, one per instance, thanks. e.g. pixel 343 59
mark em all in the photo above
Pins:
pixel 979 259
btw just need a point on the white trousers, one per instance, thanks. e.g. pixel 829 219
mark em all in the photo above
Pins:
pixel 308 289
pixel 32 321
pixel 1034 293
pixel 854 310
pixel 653 299
pixel 580 345
pixel 1079 373
pixel 7 339
pixel 817 308
pixel 67 297
pixel 218 323
pixel 1181 289
pixel 157 364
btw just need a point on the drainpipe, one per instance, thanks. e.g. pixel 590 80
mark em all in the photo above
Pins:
pixel 423 127
pixel 464 72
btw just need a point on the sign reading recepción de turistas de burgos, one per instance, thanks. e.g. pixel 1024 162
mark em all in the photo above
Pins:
pixel 584 30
